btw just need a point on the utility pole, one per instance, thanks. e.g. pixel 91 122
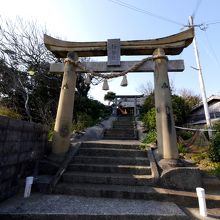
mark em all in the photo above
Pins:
pixel 201 82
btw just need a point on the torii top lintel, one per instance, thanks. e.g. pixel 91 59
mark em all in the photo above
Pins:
pixel 172 45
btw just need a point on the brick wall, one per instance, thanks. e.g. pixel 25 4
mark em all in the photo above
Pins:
pixel 21 144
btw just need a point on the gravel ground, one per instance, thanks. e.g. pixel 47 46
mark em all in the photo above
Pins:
pixel 41 203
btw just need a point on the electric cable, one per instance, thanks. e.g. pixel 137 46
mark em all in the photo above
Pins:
pixel 196 8
pixel 212 50
pixel 132 7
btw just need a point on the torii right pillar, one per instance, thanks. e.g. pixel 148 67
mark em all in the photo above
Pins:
pixel 166 133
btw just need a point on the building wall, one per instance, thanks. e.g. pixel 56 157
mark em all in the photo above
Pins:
pixel 199 115
pixel 215 107
pixel 21 144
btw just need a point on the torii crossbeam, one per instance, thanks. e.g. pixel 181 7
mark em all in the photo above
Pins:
pixel 172 45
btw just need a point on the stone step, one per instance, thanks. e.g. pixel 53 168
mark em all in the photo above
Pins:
pixel 111 152
pixel 211 183
pixel 104 168
pixel 107 178
pixel 128 124
pixel 142 161
pixel 60 207
pixel 110 137
pixel 109 145
pixel 118 132
pixel 182 198
pixel 125 119
pixel 123 123
pixel 123 126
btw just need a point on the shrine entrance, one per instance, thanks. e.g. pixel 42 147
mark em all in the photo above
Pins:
pixel 157 62
pixel 131 103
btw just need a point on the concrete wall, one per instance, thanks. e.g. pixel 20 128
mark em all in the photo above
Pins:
pixel 21 144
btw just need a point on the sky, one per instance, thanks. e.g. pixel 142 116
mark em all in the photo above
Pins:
pixel 99 20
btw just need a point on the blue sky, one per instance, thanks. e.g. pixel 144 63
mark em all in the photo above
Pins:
pixel 99 20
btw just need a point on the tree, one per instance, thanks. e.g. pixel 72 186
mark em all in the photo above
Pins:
pixel 25 82
pixel 181 109
pixel 110 96
pixel 149 103
pixel 146 89
pixel 149 119
pixel 190 98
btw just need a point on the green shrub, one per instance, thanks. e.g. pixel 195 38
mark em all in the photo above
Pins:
pixel 50 133
pixel 185 135
pixel 83 121
pixel 198 157
pixel 216 170
pixel 216 126
pixel 150 137
pixel 149 119
pixel 9 113
pixel 214 148
pixel 182 148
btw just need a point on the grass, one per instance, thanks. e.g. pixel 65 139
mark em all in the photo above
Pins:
pixel 9 113
pixel 200 158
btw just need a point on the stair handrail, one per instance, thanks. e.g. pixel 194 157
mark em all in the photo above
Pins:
pixel 68 158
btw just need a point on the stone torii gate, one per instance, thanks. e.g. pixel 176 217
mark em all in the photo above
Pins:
pixel 158 63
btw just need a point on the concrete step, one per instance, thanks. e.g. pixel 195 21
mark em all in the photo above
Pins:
pixel 119 132
pixel 125 119
pixel 106 178
pixel 123 124
pixel 107 168
pixel 142 161
pixel 109 145
pixel 182 198
pixel 111 152
pixel 110 137
pixel 60 207
pixel 124 128
pixel 211 183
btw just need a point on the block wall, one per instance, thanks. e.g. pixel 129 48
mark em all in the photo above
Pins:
pixel 22 143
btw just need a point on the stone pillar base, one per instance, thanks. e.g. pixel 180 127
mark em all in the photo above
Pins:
pixel 167 164
pixel 182 178
pixel 179 174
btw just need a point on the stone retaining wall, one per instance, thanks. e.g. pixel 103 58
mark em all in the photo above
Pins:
pixel 21 144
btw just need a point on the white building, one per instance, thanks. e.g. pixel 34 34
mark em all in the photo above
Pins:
pixel 198 115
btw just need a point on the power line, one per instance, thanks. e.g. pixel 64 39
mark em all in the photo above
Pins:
pixel 203 26
pixel 212 22
pixel 212 50
pixel 196 8
pixel 134 8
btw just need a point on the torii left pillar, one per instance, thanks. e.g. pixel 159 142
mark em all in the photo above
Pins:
pixel 63 123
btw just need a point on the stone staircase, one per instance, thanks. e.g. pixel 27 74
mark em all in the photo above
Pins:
pixel 123 128
pixel 106 169
pixel 119 170
pixel 109 179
